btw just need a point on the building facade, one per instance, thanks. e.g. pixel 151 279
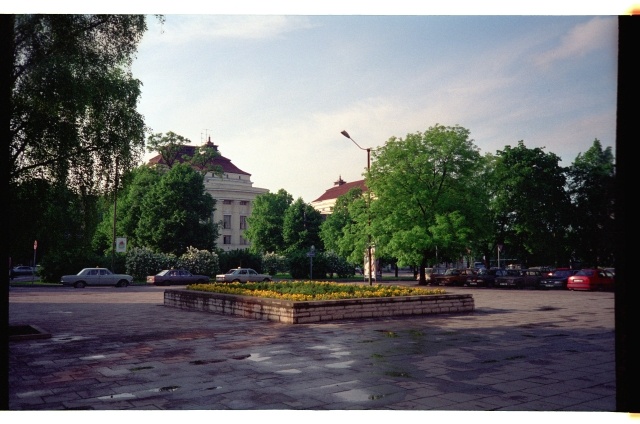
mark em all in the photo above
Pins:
pixel 234 194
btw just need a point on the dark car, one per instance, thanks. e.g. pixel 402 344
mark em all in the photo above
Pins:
pixel 558 279
pixel 485 277
pixel 520 279
pixel 168 277
pixel 21 271
pixel 454 277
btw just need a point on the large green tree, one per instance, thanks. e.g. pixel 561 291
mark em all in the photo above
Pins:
pixel 267 221
pixel 531 205
pixel 423 189
pixel 332 230
pixel 591 188
pixel 73 119
pixel 176 213
pixel 74 98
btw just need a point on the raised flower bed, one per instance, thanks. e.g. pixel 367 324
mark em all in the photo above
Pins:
pixel 386 301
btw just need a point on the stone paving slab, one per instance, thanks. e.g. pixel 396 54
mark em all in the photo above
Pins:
pixel 121 349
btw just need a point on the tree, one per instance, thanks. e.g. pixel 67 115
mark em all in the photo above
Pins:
pixel 168 146
pixel 301 227
pixel 177 213
pixel 530 204
pixel 74 98
pixel 332 229
pixel 136 184
pixel 265 225
pixel 591 188
pixel 73 121
pixel 421 185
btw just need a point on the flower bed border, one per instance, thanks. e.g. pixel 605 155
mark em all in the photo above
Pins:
pixel 302 312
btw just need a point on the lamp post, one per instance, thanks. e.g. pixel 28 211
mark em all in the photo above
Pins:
pixel 346 134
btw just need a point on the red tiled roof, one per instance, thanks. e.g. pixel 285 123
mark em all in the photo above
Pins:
pixel 339 190
pixel 219 160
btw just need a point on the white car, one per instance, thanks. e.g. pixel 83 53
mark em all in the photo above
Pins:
pixel 242 275
pixel 96 277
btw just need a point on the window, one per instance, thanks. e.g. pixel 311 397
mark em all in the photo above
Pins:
pixel 244 202
pixel 227 202
pixel 243 241
pixel 243 222
pixel 226 240
pixel 226 224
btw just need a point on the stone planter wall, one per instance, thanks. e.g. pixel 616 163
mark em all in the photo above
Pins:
pixel 291 312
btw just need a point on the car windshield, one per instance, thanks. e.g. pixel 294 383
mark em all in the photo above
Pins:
pixel 452 272
pixel 233 271
pixel 585 272
pixel 162 273
pixel 561 274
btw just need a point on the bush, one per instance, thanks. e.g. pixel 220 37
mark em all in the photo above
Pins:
pixel 273 264
pixel 299 264
pixel 142 261
pixel 201 262
pixel 239 258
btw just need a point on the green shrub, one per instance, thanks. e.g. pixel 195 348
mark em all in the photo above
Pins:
pixel 201 262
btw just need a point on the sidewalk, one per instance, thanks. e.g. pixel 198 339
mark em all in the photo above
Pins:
pixel 121 349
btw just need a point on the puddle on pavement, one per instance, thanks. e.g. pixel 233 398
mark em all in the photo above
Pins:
pixel 357 395
pixel 289 371
pixel 346 364
pixel 118 396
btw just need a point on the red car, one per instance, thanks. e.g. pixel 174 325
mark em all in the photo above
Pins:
pixel 591 279
pixel 454 277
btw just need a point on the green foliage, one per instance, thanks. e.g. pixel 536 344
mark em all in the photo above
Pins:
pixel 239 258
pixel 301 227
pixel 177 213
pixel 338 265
pixel 168 146
pixel 300 265
pixel 273 264
pixel 591 187
pixel 414 181
pixel 530 206
pixel 266 222
pixel 142 262
pixel 74 99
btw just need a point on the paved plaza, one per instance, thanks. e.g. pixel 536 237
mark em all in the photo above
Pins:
pixel 122 349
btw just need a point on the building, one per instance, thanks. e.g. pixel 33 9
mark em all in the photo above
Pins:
pixel 234 194
pixel 325 203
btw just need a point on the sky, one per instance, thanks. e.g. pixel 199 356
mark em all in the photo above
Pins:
pixel 273 90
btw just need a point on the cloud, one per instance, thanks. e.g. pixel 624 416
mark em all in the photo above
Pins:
pixel 581 40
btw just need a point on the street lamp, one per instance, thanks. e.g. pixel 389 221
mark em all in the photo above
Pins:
pixel 346 134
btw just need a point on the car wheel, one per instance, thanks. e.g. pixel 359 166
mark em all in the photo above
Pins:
pixel 122 283
pixel 266 280
pixel 236 281
pixel 79 285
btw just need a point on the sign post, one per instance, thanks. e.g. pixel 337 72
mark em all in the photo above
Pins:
pixel 35 247
pixel 311 253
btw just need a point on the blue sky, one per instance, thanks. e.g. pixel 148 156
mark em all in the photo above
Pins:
pixel 274 92
pixel 273 89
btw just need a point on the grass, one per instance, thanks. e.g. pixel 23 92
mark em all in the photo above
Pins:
pixel 313 290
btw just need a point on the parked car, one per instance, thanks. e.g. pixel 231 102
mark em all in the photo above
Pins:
pixel 168 277
pixel 430 274
pixel 454 277
pixel 591 279
pixel 20 271
pixel 485 277
pixel 558 279
pixel 96 277
pixel 520 279
pixel 242 275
